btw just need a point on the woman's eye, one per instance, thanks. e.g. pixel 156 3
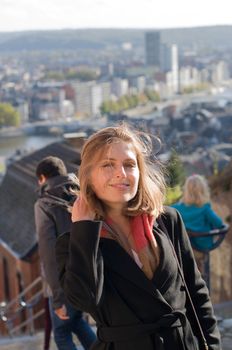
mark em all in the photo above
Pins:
pixel 106 165
pixel 130 165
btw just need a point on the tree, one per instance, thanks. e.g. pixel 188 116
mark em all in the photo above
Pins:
pixel 176 171
pixel 173 195
pixel 133 100
pixel 142 98
pixel 82 75
pixel 105 107
pixel 114 106
pixel 8 115
pixel 123 103
pixel 53 75
pixel 152 95
pixel 176 177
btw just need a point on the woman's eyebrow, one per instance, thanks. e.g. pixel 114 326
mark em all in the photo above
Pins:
pixel 105 159
pixel 114 159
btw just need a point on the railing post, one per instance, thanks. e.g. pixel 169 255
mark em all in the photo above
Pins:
pixel 30 312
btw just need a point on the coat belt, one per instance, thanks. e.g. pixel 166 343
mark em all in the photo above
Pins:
pixel 131 332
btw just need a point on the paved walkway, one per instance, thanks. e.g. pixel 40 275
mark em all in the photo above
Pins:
pixel 28 343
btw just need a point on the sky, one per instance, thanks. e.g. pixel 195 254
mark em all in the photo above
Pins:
pixel 17 15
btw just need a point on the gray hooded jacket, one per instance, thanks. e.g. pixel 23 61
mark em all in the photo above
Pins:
pixel 52 218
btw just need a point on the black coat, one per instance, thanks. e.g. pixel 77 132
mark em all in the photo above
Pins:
pixel 131 313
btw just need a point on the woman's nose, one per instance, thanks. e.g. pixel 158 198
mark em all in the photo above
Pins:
pixel 120 171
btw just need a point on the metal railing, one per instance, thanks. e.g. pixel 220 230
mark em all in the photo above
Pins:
pixel 218 236
pixel 19 314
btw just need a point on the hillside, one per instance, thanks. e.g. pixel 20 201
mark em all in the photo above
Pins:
pixel 203 37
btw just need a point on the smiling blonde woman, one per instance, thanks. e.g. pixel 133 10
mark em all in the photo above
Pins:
pixel 119 263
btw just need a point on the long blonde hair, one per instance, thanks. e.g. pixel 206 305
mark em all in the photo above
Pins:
pixel 196 191
pixel 151 189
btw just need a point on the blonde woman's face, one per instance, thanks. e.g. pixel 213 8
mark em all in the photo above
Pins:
pixel 115 175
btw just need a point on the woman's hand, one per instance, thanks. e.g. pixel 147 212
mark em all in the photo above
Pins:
pixel 81 210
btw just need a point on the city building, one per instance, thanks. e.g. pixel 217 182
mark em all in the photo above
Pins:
pixel 120 87
pixel 152 48
pixel 169 63
pixel 189 77
pixel 220 72
pixel 106 90
pixel 46 101
pixel 139 83
pixel 88 98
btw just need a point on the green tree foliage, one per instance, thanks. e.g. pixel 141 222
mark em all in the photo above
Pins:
pixel 83 75
pixel 71 74
pixel 152 95
pixel 123 103
pixel 173 195
pixel 128 101
pixel 176 177
pixel 142 99
pixel 8 115
pixel 114 106
pixel 133 100
pixel 195 88
pixel 176 171
pixel 53 75
pixel 105 107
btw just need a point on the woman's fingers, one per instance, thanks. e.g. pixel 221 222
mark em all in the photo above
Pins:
pixel 81 210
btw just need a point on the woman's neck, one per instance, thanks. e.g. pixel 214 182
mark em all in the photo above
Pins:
pixel 120 222
pixel 115 213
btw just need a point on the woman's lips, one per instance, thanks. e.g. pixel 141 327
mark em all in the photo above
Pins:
pixel 121 185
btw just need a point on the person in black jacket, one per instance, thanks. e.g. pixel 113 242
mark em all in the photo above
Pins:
pixel 52 218
pixel 128 260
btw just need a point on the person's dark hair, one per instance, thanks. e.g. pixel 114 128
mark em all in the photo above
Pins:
pixel 50 167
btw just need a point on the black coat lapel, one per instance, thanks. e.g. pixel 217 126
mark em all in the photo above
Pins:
pixel 118 260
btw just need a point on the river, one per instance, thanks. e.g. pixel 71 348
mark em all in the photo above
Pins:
pixel 8 146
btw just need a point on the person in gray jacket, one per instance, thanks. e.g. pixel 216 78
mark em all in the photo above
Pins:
pixel 52 218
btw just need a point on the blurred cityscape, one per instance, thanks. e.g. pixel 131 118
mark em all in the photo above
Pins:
pixel 176 84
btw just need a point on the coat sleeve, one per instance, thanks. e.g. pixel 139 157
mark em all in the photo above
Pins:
pixel 81 265
pixel 196 285
pixel 46 231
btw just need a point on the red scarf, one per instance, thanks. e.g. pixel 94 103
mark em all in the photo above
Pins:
pixel 144 250
pixel 141 230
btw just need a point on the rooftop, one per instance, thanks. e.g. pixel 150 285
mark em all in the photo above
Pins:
pixel 18 195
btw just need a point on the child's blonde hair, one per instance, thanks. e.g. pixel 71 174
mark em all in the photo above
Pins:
pixel 196 191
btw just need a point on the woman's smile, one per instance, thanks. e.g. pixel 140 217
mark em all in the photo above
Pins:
pixel 120 186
